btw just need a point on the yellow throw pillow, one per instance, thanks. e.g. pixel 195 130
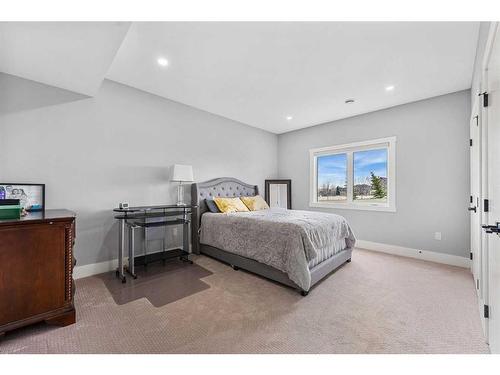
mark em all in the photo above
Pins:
pixel 227 205
pixel 256 203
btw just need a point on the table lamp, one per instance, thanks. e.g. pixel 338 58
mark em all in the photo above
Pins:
pixel 182 173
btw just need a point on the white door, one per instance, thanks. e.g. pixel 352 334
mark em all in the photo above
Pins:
pixel 478 190
pixel 492 117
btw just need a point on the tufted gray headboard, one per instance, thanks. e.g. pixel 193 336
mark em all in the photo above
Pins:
pixel 218 187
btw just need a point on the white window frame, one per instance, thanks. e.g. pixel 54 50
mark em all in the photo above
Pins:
pixel 389 143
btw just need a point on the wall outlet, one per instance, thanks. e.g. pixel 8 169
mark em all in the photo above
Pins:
pixel 437 236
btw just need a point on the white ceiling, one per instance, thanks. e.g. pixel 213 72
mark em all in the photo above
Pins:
pixel 254 73
pixel 259 73
pixel 70 55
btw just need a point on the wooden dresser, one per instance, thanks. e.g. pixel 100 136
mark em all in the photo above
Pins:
pixel 36 269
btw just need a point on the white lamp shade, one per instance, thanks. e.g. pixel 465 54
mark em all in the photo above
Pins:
pixel 182 173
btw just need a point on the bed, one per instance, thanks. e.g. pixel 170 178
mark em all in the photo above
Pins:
pixel 294 248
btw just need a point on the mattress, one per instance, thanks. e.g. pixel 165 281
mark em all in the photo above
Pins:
pixel 328 251
pixel 291 241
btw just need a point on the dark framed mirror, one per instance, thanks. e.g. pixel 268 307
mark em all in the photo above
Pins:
pixel 279 193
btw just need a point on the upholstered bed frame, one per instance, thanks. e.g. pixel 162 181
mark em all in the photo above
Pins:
pixel 231 187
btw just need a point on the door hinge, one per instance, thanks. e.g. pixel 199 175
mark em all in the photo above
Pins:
pixel 486 205
pixel 471 199
pixel 477 284
pixel 471 255
pixel 486 311
pixel 470 142
pixel 477 120
pixel 485 98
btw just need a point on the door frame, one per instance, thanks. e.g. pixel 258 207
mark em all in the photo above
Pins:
pixel 476 196
pixel 479 264
pixel 483 297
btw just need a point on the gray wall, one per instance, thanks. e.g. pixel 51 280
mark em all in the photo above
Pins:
pixel 118 146
pixel 95 152
pixel 432 171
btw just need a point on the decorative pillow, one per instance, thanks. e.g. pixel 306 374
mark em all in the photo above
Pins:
pixel 227 205
pixel 256 203
pixel 212 207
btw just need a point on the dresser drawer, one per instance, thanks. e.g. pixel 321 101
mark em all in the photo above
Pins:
pixel 33 281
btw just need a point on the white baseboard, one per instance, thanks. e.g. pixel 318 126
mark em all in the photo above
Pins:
pixel 106 266
pixel 94 268
pixel 431 256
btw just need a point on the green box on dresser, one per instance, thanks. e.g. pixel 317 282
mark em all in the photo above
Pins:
pixel 10 212
pixel 36 269
pixel 9 208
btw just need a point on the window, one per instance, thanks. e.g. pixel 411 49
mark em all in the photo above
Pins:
pixel 370 175
pixel 332 178
pixel 355 176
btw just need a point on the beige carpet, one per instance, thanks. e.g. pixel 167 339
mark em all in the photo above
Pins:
pixel 378 303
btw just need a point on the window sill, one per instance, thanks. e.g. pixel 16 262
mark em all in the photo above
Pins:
pixel 346 206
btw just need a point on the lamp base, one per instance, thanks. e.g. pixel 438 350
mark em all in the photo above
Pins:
pixel 179 195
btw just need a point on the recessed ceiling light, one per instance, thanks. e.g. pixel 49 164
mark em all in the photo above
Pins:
pixel 289 118
pixel 389 88
pixel 162 61
pixel 349 101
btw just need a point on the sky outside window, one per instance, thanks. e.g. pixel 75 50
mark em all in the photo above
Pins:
pixel 332 169
pixel 369 161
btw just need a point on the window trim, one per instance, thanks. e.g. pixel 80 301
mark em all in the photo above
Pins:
pixel 349 149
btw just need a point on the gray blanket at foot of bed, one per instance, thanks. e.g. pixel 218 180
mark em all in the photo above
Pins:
pixel 284 239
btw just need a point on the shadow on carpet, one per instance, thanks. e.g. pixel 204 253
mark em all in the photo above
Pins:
pixel 160 284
